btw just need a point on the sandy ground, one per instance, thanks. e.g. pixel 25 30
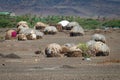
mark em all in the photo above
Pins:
pixel 18 60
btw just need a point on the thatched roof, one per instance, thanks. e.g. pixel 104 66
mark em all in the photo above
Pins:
pixel 31 31
pixel 90 43
pixel 99 37
pixel 73 24
pixel 98 48
pixel 53 50
pixel 22 37
pixel 26 31
pixel 77 29
pixel 51 29
pixel 39 25
pixel 39 34
pixel 22 23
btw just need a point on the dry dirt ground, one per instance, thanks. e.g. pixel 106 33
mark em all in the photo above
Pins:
pixel 18 60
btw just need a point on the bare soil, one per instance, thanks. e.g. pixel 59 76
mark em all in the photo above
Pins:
pixel 18 60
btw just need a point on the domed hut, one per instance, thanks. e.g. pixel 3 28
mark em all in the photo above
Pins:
pixel 22 23
pixel 22 37
pixel 71 25
pixel 53 50
pixel 77 31
pixel 74 51
pixel 58 26
pixel 50 30
pixel 98 37
pixel 10 34
pixel 63 23
pixel 40 25
pixel 71 50
pixel 98 48
pixel 19 28
pixel 39 34
pixel 31 34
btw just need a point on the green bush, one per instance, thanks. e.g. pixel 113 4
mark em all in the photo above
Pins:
pixel 85 50
pixel 89 23
pixel 112 23
pixel 86 23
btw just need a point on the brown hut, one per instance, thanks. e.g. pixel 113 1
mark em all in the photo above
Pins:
pixel 40 25
pixel 53 50
pixel 22 23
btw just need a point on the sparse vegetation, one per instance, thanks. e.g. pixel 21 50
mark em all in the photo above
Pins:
pixel 1 38
pixel 85 50
pixel 112 23
pixel 86 23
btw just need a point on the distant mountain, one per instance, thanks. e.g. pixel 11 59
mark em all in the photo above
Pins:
pixel 63 7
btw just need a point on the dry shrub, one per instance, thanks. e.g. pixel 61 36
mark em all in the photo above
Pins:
pixel 85 50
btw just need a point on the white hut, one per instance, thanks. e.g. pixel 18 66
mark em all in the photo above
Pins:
pixel 64 23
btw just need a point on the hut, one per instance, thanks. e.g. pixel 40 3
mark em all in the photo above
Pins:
pixel 71 25
pixel 98 48
pixel 19 28
pixel 10 34
pixel 22 37
pixel 50 30
pixel 31 34
pixel 74 51
pixel 22 23
pixel 77 31
pixel 40 25
pixel 53 50
pixel 63 23
pixel 98 37
pixel 71 50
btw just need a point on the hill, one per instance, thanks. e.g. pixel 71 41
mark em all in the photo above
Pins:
pixel 63 7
